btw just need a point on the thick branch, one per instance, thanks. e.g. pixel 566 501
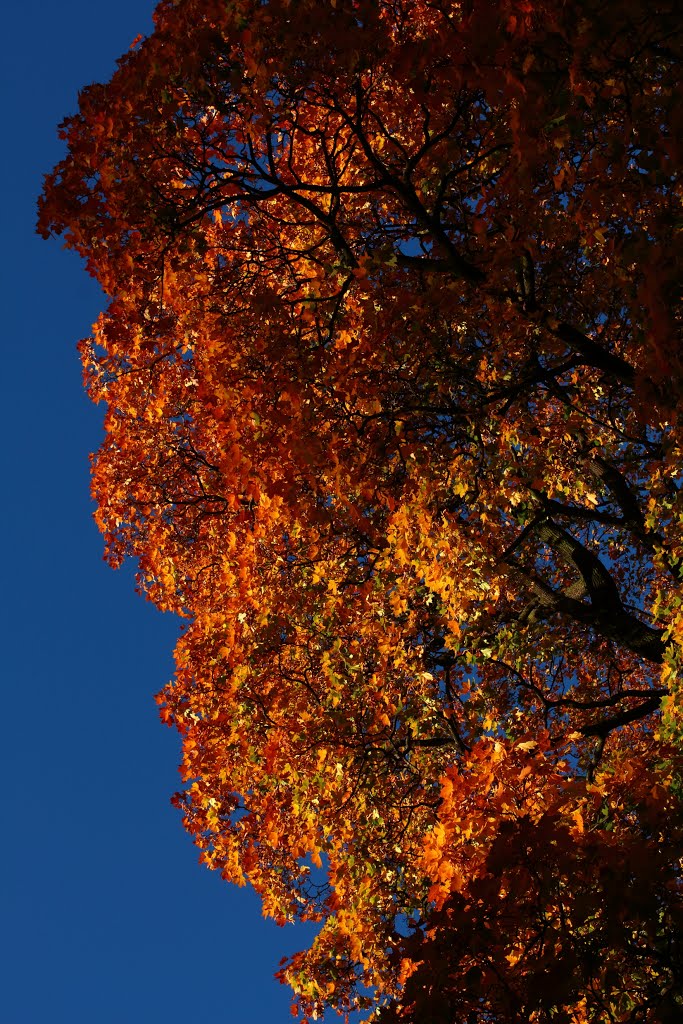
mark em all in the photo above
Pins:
pixel 591 352
pixel 612 622
pixel 606 726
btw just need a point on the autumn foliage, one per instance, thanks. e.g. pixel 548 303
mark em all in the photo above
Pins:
pixel 393 388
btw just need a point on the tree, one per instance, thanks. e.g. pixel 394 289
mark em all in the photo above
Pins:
pixel 393 417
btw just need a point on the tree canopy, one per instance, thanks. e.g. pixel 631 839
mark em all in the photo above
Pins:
pixel 393 387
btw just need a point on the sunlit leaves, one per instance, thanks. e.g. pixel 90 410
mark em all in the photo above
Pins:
pixel 392 387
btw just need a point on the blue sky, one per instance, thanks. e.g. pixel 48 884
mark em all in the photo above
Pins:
pixel 106 914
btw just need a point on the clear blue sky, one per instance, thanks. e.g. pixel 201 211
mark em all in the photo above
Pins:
pixel 107 918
